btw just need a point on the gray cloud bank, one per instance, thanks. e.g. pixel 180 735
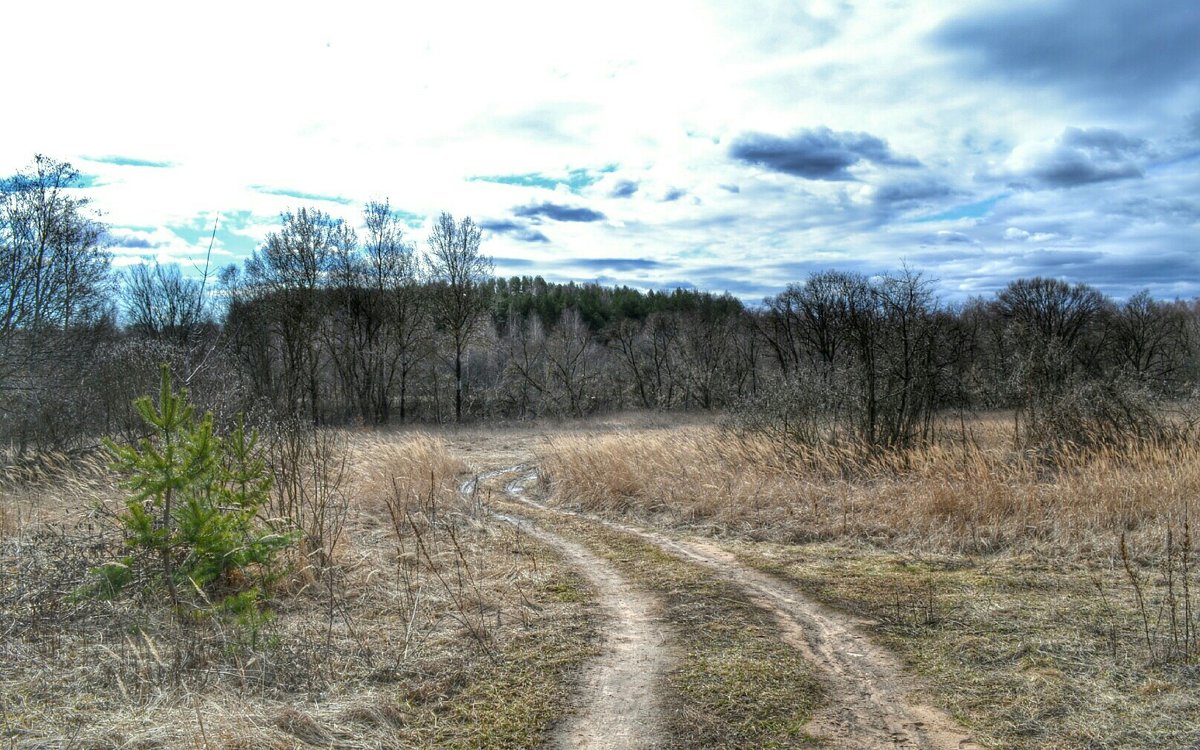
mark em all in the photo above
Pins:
pixel 815 154
pixel 1083 157
pixel 1117 51
pixel 558 212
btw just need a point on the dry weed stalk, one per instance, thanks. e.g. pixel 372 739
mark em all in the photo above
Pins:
pixel 438 550
pixel 1164 595
pixel 8 519
pixel 308 472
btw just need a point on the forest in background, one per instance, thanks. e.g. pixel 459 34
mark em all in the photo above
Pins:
pixel 327 323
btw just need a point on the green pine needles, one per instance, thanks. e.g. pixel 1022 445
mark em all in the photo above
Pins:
pixel 191 517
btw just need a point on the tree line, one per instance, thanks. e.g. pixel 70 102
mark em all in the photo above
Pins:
pixel 330 323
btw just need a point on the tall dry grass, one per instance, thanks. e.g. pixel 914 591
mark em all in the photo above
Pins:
pixel 53 487
pixel 389 628
pixel 383 466
pixel 975 493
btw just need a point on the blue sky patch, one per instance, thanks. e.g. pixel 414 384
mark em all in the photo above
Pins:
pixel 199 231
pixel 531 179
pixel 575 179
pixel 409 218
pixel 301 195
pixel 578 179
pixel 128 161
pixel 88 181
pixel 975 210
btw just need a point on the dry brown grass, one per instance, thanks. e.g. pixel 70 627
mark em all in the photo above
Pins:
pixel 381 465
pixel 451 633
pixel 52 488
pixel 8 518
pixel 998 575
pixel 977 495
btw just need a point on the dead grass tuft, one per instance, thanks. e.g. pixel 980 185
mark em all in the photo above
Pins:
pixel 300 725
pixel 410 466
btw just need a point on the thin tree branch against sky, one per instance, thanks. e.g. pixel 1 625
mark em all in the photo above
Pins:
pixel 726 146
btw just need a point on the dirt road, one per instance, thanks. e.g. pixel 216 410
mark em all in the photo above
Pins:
pixel 618 704
pixel 868 696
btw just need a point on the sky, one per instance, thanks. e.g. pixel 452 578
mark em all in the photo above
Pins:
pixel 727 146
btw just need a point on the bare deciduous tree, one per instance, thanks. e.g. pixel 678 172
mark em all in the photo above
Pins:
pixel 573 366
pixel 458 272
pixel 287 275
pixel 523 348
pixel 394 273
pixel 53 267
pixel 55 290
pixel 160 303
pixel 1152 341
pixel 1055 334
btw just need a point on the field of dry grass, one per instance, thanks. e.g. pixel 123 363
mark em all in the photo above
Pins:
pixel 998 575
pixel 423 626
pixel 1046 601
pixel 972 496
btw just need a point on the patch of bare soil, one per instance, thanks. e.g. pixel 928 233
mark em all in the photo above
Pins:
pixel 619 705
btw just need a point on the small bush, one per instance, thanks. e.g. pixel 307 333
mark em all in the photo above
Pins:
pixel 1118 412
pixel 191 515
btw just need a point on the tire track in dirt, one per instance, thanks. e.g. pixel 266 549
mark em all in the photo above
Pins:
pixel 866 687
pixel 619 704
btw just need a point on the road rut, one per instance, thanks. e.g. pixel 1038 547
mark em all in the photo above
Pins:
pixel 618 703
pixel 867 692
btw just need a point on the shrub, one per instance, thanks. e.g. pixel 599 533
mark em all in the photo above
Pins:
pixel 191 517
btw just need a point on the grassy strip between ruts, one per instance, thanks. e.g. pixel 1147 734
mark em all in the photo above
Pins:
pixel 734 682
pixel 1028 653
pixel 512 701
